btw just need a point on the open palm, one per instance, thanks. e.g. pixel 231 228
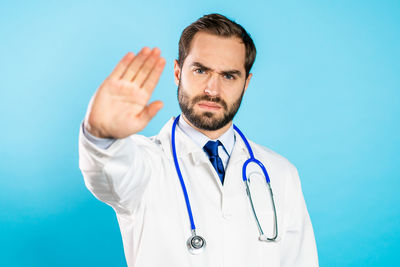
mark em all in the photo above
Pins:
pixel 120 106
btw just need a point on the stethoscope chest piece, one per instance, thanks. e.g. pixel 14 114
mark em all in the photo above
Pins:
pixel 196 244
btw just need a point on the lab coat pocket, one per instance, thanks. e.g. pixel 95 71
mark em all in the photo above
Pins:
pixel 265 221
pixel 268 251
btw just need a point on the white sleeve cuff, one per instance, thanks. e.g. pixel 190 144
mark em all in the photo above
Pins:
pixel 102 143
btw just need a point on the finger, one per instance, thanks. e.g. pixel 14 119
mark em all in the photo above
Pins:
pixel 122 65
pixel 147 67
pixel 136 63
pixel 150 111
pixel 154 76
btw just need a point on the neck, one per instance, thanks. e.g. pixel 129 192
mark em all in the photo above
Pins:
pixel 213 135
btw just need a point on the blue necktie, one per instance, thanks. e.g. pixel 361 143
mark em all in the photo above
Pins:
pixel 211 148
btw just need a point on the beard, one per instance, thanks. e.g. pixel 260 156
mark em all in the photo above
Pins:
pixel 206 120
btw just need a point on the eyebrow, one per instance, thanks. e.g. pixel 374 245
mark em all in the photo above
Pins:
pixel 229 72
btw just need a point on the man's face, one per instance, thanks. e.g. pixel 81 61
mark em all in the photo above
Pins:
pixel 212 80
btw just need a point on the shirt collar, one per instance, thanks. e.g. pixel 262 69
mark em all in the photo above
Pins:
pixel 227 139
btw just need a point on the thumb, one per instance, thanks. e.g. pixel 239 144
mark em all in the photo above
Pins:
pixel 150 111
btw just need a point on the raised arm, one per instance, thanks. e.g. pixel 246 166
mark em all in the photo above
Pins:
pixel 118 175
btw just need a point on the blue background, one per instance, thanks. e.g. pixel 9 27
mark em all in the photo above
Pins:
pixel 325 94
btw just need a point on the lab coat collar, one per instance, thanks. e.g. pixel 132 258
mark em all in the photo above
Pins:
pixel 186 146
pixel 183 143
pixel 227 139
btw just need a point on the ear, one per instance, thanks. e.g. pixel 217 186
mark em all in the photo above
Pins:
pixel 177 72
pixel 247 81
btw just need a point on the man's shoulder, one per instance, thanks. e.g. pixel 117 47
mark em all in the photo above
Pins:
pixel 164 134
pixel 277 164
pixel 269 155
pixel 157 143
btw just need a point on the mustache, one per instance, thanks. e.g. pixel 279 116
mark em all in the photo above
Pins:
pixel 215 99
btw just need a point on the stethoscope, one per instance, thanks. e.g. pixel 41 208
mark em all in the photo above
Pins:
pixel 196 243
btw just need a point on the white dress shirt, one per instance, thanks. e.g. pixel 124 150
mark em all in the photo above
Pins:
pixel 227 139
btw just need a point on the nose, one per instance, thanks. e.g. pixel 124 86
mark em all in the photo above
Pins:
pixel 212 86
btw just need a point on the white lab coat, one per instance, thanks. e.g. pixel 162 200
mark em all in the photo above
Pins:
pixel 136 176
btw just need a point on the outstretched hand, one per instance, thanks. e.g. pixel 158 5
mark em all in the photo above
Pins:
pixel 120 106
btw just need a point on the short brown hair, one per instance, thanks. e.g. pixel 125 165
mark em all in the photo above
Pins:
pixel 221 26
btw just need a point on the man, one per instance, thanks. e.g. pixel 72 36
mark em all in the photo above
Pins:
pixel 138 176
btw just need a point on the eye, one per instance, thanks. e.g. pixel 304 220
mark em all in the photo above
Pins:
pixel 199 71
pixel 229 77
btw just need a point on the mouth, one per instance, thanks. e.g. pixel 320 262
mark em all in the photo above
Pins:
pixel 207 105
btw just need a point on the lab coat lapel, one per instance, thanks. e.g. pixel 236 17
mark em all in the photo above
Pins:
pixel 233 182
pixel 184 145
pixel 187 150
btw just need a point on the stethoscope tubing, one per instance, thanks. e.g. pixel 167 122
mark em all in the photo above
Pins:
pixel 251 159
pixel 244 176
pixel 178 170
pixel 246 181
